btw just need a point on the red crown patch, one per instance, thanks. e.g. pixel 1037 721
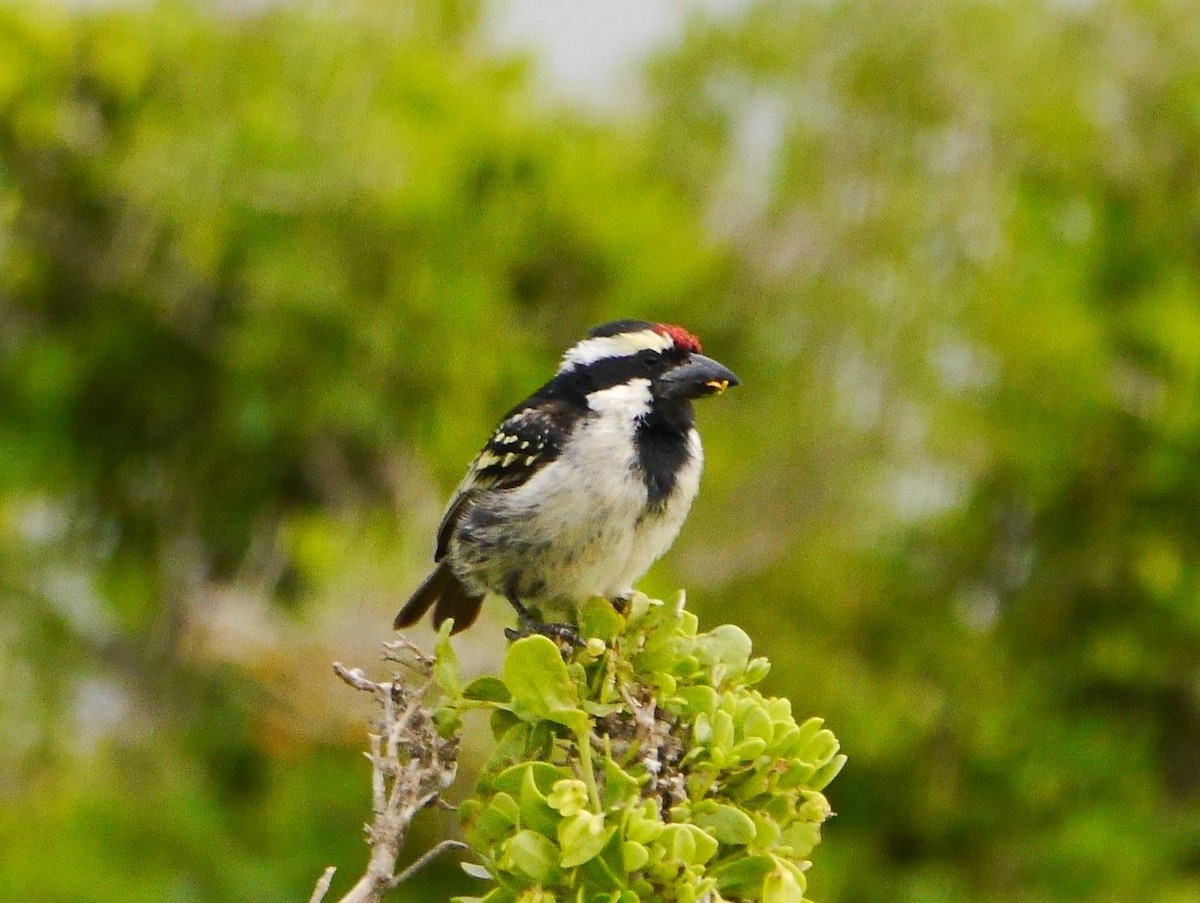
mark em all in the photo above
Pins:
pixel 680 336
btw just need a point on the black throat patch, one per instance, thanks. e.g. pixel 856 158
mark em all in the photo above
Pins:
pixel 662 448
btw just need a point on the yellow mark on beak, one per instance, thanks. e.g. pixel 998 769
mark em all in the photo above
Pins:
pixel 718 385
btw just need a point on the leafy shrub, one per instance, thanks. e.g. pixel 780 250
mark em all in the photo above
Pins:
pixel 644 767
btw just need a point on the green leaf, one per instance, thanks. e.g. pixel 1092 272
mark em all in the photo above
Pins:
pixel 766 832
pixel 748 749
pixel 535 855
pixel 601 709
pixel 538 679
pixel 688 844
pixel 780 710
pixel 798 772
pixel 576 719
pixel 599 619
pixel 725 651
pixel 502 721
pixel 447 673
pixel 784 736
pixel 640 608
pixel 679 843
pixel 448 720
pixel 685 666
pixel 722 731
pixel 728 824
pixel 536 812
pixel 781 886
pixel 470 808
pixel 802 837
pixel 821 748
pixel 495 822
pixel 540 742
pixel 663 683
pixel 543 774
pixel 475 870
pixel 634 855
pixel 699 699
pixel 749 788
pixel 604 872
pixel 620 787
pixel 487 689
pixel 815 806
pixel 736 878
pixel 581 837
pixel 827 772
pixel 515 740
pixel 706 844
pixel 808 730
pixel 701 781
pixel 757 723
pixel 644 824
pixel 756 670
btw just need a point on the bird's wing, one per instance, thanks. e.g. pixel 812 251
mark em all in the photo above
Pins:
pixel 528 439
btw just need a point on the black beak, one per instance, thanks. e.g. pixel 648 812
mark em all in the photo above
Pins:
pixel 697 377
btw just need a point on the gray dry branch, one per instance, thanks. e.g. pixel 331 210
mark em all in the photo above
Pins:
pixel 411 764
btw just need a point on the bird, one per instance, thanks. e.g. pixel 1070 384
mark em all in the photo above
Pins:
pixel 582 486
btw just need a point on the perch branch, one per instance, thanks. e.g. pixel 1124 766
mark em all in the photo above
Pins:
pixel 411 764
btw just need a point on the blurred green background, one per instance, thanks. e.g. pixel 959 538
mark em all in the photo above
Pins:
pixel 268 276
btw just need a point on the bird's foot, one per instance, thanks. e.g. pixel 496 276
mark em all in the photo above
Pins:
pixel 530 626
pixel 621 602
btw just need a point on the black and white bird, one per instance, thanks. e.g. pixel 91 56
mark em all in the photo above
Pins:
pixel 583 485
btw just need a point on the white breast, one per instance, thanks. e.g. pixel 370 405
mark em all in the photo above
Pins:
pixel 587 524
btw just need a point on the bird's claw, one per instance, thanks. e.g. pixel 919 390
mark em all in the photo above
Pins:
pixel 621 602
pixel 560 633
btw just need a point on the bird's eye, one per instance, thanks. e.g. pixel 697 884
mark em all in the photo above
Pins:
pixel 647 359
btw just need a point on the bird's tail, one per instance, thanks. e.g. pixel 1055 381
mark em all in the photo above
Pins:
pixel 445 594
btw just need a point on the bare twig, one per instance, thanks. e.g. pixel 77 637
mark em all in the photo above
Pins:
pixel 411 764
pixel 444 847
pixel 322 887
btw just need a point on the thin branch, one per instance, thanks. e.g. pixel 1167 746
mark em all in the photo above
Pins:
pixel 411 764
pixel 354 677
pixel 445 846
pixel 322 887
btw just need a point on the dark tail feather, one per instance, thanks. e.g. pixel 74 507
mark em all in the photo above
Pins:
pixel 448 598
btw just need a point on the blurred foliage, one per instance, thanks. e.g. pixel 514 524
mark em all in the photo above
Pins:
pixel 267 279
pixel 261 276
pixel 974 235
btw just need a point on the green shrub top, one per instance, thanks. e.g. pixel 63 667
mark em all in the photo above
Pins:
pixel 645 767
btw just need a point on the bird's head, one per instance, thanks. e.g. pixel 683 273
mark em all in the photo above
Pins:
pixel 667 356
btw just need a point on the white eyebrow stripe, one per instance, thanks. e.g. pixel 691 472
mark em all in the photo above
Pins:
pixel 591 350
